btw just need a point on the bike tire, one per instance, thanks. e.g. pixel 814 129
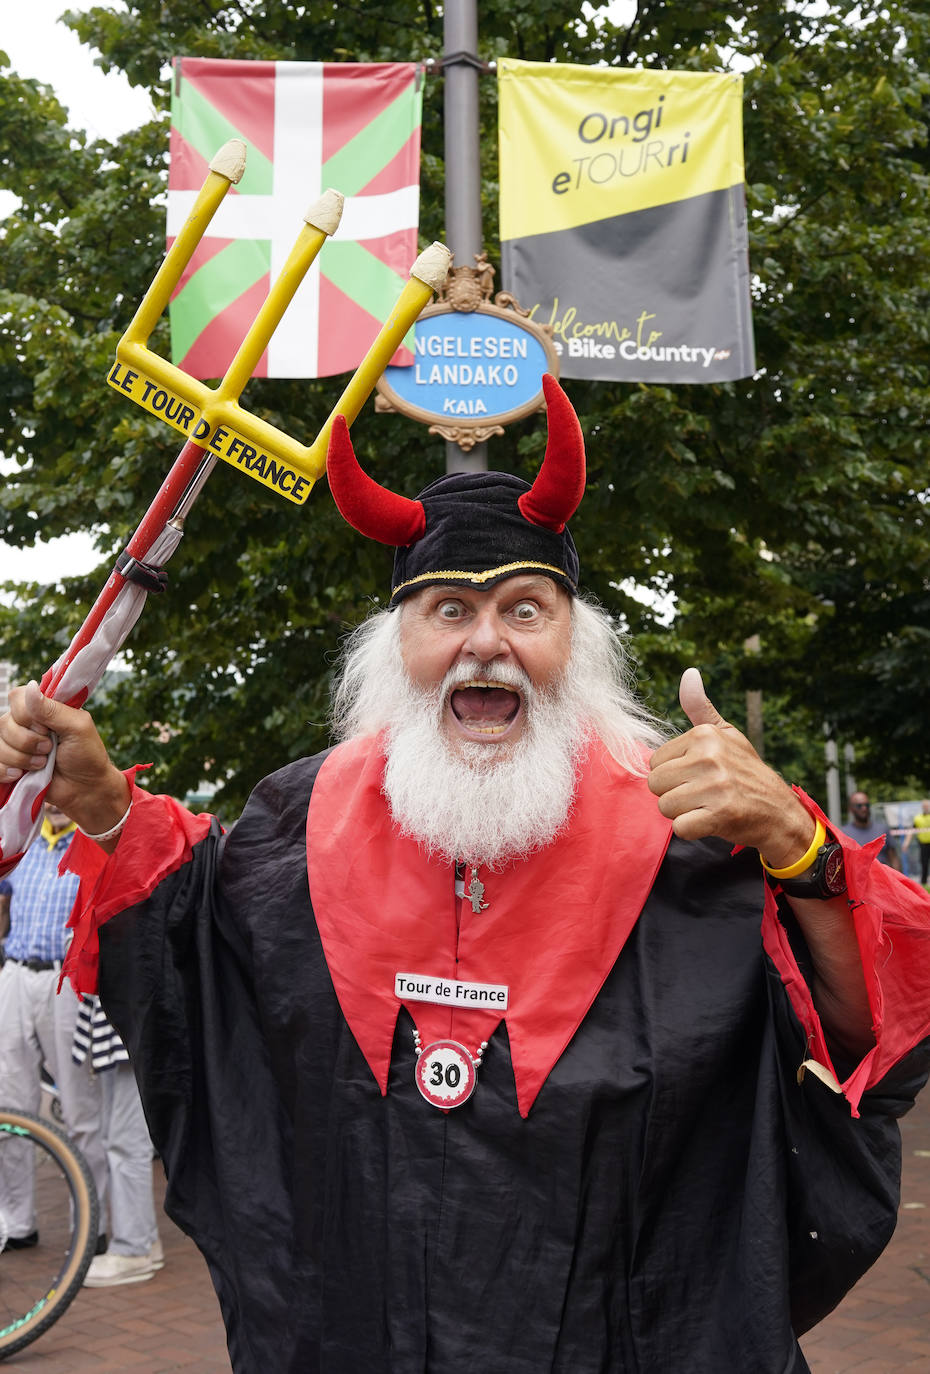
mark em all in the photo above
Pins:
pixel 43 1281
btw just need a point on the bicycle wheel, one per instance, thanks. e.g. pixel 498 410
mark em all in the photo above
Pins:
pixel 37 1283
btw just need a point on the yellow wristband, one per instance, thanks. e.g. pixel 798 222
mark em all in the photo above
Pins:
pixel 793 870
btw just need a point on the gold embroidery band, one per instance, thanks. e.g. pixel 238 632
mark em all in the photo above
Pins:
pixel 452 575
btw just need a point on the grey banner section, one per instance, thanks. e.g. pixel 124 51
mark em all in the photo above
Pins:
pixel 661 295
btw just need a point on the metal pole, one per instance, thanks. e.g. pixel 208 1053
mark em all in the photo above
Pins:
pixel 849 759
pixel 834 805
pixel 754 718
pixel 463 167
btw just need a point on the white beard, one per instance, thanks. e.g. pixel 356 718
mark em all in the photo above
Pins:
pixel 486 803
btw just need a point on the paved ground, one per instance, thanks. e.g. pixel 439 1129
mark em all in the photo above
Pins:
pixel 171 1322
pixel 883 1326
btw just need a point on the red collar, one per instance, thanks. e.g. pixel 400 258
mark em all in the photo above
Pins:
pixel 552 931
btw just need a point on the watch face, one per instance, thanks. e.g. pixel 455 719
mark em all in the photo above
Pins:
pixel 834 871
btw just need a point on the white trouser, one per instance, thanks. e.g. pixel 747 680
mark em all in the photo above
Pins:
pixel 37 1024
pixel 128 1148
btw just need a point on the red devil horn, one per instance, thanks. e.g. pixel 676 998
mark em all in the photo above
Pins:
pixel 556 494
pixel 369 508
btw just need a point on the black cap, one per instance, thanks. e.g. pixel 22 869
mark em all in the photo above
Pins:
pixel 476 535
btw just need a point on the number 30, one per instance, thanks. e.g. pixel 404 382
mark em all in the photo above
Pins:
pixel 451 1077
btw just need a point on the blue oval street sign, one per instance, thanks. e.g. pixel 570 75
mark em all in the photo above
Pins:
pixel 480 365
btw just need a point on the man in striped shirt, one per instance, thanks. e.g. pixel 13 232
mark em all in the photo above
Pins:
pixel 135 1250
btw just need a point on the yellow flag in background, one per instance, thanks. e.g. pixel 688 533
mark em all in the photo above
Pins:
pixel 622 218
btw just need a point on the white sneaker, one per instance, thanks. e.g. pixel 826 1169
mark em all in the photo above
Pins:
pixel 157 1254
pixel 106 1271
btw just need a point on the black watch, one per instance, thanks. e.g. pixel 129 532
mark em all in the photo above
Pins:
pixel 826 878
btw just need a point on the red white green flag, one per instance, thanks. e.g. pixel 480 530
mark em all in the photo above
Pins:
pixel 308 126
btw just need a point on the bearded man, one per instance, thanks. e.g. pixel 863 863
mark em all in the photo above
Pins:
pixel 484 1039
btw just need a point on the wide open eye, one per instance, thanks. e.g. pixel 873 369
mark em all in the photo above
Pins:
pixel 450 610
pixel 525 610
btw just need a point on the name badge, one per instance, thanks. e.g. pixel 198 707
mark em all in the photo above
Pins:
pixel 450 992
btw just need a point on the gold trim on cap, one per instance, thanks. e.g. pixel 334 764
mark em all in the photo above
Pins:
pixel 452 574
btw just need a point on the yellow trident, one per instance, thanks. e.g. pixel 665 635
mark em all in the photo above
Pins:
pixel 212 417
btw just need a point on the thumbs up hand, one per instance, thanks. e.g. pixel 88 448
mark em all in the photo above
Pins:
pixel 710 781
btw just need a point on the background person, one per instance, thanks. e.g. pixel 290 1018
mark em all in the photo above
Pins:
pixel 863 827
pixel 921 824
pixel 134 1251
pixel 36 1024
pixel 100 1101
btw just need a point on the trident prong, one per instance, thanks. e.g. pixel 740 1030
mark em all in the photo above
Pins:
pixel 213 418
pixel 427 275
pixel 225 170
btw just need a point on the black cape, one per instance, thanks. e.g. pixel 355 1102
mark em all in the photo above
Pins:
pixel 675 1200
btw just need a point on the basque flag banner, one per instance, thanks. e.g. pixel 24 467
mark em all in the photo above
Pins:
pixel 308 125
pixel 623 218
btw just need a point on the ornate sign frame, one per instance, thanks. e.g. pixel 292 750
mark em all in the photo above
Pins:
pixel 467 290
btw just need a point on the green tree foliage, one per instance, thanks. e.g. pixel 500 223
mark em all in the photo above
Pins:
pixel 790 505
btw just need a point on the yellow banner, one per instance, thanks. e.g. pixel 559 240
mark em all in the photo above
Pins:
pixel 581 144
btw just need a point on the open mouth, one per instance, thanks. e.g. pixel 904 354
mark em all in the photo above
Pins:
pixel 485 709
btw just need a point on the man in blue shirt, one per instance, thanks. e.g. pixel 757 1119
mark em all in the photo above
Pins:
pixel 100 1104
pixel 36 1024
pixel 862 827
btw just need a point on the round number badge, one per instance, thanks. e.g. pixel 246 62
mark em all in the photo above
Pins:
pixel 446 1073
